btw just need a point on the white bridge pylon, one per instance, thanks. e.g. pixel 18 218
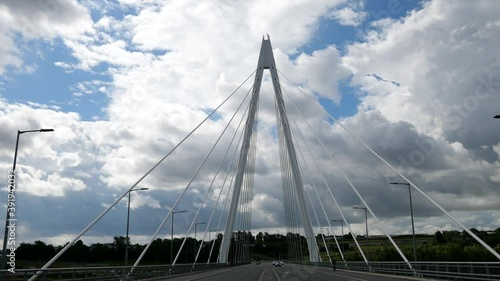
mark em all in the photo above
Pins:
pixel 266 61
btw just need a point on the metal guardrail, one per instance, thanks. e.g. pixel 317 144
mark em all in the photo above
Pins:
pixel 111 273
pixel 457 271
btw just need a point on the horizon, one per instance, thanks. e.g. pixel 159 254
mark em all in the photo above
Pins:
pixel 122 82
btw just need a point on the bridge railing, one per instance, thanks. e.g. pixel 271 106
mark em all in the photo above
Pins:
pixel 457 271
pixel 111 273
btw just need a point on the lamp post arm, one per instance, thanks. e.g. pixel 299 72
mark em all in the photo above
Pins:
pixel 27 131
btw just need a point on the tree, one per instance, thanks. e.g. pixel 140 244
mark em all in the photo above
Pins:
pixel 477 253
pixel 100 252
pixel 119 241
pixel 439 238
pixel 78 252
pixel 36 251
pixel 259 237
pixel 266 237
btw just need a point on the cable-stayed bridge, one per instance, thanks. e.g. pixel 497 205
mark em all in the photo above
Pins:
pixel 304 181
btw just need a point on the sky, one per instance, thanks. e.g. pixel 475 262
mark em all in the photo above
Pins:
pixel 122 82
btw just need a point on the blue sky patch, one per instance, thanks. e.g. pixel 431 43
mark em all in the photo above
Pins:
pixel 53 85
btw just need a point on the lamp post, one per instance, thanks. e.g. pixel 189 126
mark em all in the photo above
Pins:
pixel 9 191
pixel 128 223
pixel 196 224
pixel 342 225
pixel 411 212
pixel 366 225
pixel 497 117
pixel 172 236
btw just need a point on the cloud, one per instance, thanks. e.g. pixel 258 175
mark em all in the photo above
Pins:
pixel 319 72
pixel 440 89
pixel 24 20
pixel 351 15
pixel 156 98
pixel 430 70
pixel 423 83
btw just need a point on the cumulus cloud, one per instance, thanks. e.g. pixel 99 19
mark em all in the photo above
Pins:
pixel 424 88
pixel 155 97
pixel 350 15
pixel 430 74
pixel 40 20
pixel 319 72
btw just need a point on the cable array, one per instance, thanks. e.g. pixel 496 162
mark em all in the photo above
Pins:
pixel 242 234
pixel 240 169
pixel 229 169
pixel 100 216
pixel 292 218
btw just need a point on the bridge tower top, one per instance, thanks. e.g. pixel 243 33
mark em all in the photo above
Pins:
pixel 266 58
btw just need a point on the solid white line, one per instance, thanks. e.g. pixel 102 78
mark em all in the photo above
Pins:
pixel 276 274
pixel 262 275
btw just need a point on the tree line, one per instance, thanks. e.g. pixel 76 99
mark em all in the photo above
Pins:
pixel 442 246
pixel 114 253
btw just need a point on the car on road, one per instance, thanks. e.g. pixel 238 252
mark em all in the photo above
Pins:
pixel 277 263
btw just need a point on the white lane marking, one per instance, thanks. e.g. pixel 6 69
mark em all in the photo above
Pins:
pixel 262 275
pixel 276 274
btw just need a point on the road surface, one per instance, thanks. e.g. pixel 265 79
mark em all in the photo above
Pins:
pixel 287 272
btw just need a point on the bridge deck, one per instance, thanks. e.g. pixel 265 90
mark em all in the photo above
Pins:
pixel 267 272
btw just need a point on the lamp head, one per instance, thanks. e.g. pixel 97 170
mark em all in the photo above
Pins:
pixel 399 183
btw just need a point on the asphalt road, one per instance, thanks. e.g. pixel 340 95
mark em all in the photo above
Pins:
pixel 287 272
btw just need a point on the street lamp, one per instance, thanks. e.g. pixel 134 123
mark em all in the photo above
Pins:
pixel 342 224
pixel 128 223
pixel 366 225
pixel 411 212
pixel 196 224
pixel 172 236
pixel 9 191
pixel 497 116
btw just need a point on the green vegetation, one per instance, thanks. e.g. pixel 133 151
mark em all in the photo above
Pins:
pixel 442 246
pixel 36 254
